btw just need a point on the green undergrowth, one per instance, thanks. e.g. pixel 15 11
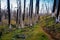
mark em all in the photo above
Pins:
pixel 31 33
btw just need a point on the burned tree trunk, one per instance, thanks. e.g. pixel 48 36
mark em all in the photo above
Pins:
pixel 0 11
pixel 17 15
pixel 24 10
pixel 37 11
pixel 31 11
pixel 37 6
pixel 24 14
pixel 31 8
pixel 58 10
pixel 54 7
pixel 9 16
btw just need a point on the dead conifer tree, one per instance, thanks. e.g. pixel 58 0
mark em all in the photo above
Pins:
pixel 30 12
pixel 37 11
pixel 9 15
pixel 0 11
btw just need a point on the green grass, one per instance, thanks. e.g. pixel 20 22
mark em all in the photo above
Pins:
pixel 34 33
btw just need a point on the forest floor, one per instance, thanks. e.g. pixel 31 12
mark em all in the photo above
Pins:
pixel 43 30
pixel 51 27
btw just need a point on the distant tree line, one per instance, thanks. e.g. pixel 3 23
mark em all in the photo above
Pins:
pixel 20 17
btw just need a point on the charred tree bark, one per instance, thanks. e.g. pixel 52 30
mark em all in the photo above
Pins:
pixel 31 8
pixel 17 15
pixel 0 11
pixel 37 6
pixel 30 11
pixel 58 10
pixel 37 10
pixel 54 6
pixel 8 7
pixel 24 10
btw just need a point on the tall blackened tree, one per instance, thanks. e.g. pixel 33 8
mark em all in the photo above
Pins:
pixel 31 11
pixel 0 11
pixel 37 6
pixel 54 7
pixel 37 9
pixel 8 7
pixel 24 9
pixel 17 13
pixel 58 10
pixel 31 8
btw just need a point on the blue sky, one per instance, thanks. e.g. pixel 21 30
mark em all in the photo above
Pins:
pixel 14 5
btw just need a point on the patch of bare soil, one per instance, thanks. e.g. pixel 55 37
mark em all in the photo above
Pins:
pixel 52 31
